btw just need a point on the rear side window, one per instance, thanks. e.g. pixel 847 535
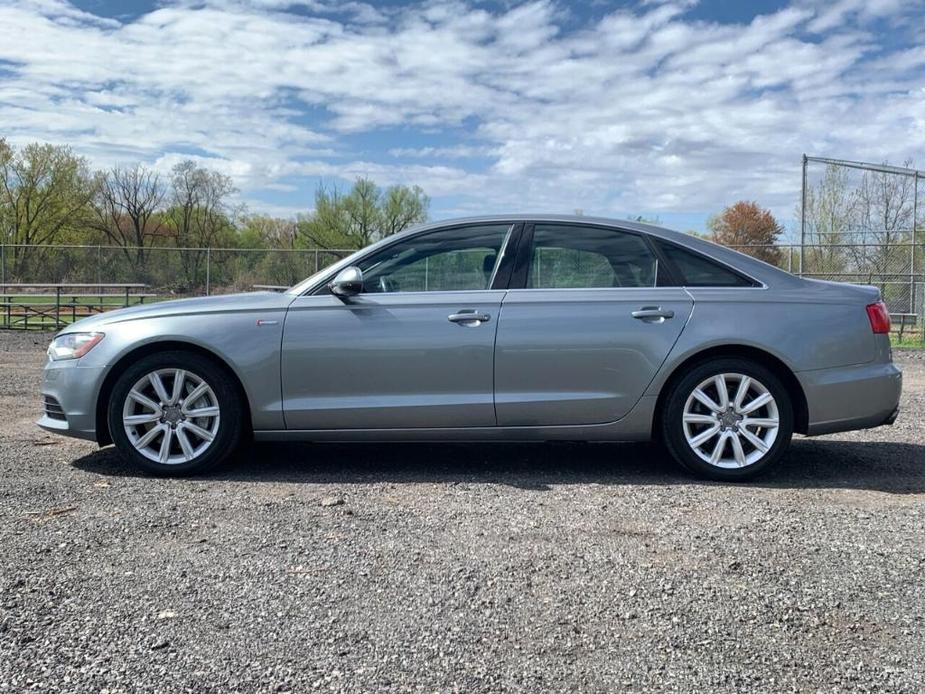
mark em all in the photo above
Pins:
pixel 584 257
pixel 698 271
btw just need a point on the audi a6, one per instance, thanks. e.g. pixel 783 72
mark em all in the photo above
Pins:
pixel 525 328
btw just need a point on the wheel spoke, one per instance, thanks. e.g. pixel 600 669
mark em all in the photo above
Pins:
pixel 193 396
pixel 758 402
pixel 703 436
pixel 164 455
pixel 762 422
pixel 719 448
pixel 699 419
pixel 706 400
pixel 179 380
pixel 202 412
pixel 136 419
pixel 742 391
pixel 737 450
pixel 144 400
pixel 721 390
pixel 204 434
pixel 155 378
pixel 149 436
pixel 185 444
pixel 754 440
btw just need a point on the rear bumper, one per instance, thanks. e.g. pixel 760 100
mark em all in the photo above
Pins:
pixel 851 397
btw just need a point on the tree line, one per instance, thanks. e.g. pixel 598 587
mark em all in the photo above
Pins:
pixel 50 196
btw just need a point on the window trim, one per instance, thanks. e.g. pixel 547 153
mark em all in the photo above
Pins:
pixel 525 255
pixel 501 273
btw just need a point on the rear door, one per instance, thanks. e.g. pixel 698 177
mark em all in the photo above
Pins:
pixel 584 327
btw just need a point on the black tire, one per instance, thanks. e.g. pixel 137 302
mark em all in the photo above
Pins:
pixel 672 423
pixel 231 419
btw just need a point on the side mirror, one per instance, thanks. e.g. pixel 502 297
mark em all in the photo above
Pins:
pixel 349 282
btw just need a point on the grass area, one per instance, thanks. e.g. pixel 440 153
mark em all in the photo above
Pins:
pixel 908 340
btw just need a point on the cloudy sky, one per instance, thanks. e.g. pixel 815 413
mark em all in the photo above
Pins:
pixel 658 108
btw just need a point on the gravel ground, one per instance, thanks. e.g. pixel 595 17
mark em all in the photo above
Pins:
pixel 459 567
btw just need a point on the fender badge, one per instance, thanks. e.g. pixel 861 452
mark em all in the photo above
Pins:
pixel 261 322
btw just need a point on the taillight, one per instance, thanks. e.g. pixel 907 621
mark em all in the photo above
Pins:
pixel 879 317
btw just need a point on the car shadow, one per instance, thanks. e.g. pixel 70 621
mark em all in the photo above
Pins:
pixel 893 467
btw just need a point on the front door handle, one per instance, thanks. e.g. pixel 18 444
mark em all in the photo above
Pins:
pixel 468 317
pixel 653 314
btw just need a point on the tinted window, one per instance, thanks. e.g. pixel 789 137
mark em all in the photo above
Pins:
pixel 569 256
pixel 698 271
pixel 447 260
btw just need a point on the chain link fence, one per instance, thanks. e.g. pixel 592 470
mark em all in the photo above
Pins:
pixel 166 271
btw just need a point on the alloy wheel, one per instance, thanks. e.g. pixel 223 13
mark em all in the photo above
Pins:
pixel 171 416
pixel 731 420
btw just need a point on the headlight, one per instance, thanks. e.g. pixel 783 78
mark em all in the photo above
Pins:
pixel 73 345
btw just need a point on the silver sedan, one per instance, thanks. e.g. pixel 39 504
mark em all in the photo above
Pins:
pixel 504 328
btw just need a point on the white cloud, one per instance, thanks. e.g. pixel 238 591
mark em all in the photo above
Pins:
pixel 643 109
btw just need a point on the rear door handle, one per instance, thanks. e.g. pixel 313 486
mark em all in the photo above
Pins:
pixel 469 317
pixel 653 314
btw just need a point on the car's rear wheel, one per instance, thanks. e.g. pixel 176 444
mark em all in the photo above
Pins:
pixel 727 419
pixel 175 413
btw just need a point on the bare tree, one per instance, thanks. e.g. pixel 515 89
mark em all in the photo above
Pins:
pixel 828 217
pixel 200 213
pixel 127 209
pixel 883 209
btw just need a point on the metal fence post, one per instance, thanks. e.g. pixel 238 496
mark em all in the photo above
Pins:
pixel 208 269
pixel 803 217
pixel 2 263
pixel 915 223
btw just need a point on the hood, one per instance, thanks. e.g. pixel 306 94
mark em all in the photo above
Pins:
pixel 228 303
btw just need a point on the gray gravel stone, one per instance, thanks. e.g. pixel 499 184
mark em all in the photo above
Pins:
pixel 458 567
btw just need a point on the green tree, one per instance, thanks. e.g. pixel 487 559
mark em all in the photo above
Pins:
pixel 365 214
pixel 44 194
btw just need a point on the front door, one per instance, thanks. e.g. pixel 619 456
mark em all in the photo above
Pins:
pixel 414 349
pixel 586 331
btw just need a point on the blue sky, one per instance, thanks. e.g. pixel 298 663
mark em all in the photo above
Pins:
pixel 658 108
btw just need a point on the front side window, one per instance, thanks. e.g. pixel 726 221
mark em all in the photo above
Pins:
pixel 458 259
pixel 584 257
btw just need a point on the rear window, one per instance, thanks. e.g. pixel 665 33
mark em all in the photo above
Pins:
pixel 698 271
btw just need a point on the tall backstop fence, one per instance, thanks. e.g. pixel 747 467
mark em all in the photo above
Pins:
pixel 862 223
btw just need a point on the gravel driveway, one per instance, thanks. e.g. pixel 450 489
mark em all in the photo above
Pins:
pixel 459 567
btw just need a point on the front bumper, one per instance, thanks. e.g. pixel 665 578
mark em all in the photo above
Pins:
pixel 852 397
pixel 75 388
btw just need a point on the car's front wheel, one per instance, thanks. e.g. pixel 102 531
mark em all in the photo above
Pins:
pixel 727 419
pixel 175 413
